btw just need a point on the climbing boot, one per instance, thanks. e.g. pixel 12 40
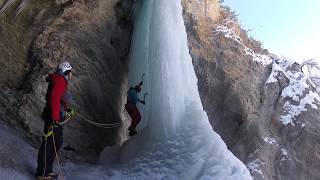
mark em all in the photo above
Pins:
pixel 130 128
pixel 133 132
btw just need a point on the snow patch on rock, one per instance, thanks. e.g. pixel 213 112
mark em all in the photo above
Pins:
pixel 269 140
pixel 284 154
pixel 261 58
pixel 226 31
pixel 229 32
pixel 299 95
pixel 255 166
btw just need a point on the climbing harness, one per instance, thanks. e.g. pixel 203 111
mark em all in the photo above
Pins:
pixel 49 133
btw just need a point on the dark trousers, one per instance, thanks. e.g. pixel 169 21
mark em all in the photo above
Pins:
pixel 47 150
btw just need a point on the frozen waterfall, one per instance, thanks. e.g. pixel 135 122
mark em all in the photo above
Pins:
pixel 175 139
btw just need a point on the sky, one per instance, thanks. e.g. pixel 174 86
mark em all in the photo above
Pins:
pixel 289 28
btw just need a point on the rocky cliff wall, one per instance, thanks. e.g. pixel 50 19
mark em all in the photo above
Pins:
pixel 95 37
pixel 244 106
pixel 230 82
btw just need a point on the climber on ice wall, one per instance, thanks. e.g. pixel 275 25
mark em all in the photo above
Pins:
pixel 131 107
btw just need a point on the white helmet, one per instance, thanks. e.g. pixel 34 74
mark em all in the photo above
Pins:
pixel 65 66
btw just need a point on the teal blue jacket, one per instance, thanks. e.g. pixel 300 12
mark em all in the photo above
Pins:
pixel 133 96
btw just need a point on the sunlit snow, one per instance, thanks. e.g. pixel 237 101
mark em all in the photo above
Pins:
pixel 301 91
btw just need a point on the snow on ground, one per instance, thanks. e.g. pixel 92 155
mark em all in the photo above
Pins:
pixel 17 156
pixel 11 174
pixel 299 95
pixel 195 157
pixel 169 160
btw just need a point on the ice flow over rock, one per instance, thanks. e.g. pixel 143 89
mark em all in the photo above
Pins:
pixel 175 139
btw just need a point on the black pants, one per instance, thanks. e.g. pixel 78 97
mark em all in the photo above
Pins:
pixel 47 153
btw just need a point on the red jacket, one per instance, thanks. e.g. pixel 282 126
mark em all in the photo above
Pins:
pixel 57 88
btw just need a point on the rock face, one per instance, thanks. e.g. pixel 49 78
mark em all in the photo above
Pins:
pixel 245 108
pixel 95 37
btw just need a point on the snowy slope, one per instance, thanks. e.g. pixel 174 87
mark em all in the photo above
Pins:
pixel 166 160
pixel 17 156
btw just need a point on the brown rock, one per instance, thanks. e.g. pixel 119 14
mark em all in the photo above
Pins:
pixel 95 37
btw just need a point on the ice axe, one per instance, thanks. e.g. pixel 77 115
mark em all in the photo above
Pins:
pixel 144 96
pixel 142 77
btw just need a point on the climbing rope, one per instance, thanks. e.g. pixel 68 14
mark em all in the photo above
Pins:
pixel 73 112
pixel 46 136
pixel 106 126
pixel 57 157
pixel 65 121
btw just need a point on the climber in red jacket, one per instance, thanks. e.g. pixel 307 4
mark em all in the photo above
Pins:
pixel 53 114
